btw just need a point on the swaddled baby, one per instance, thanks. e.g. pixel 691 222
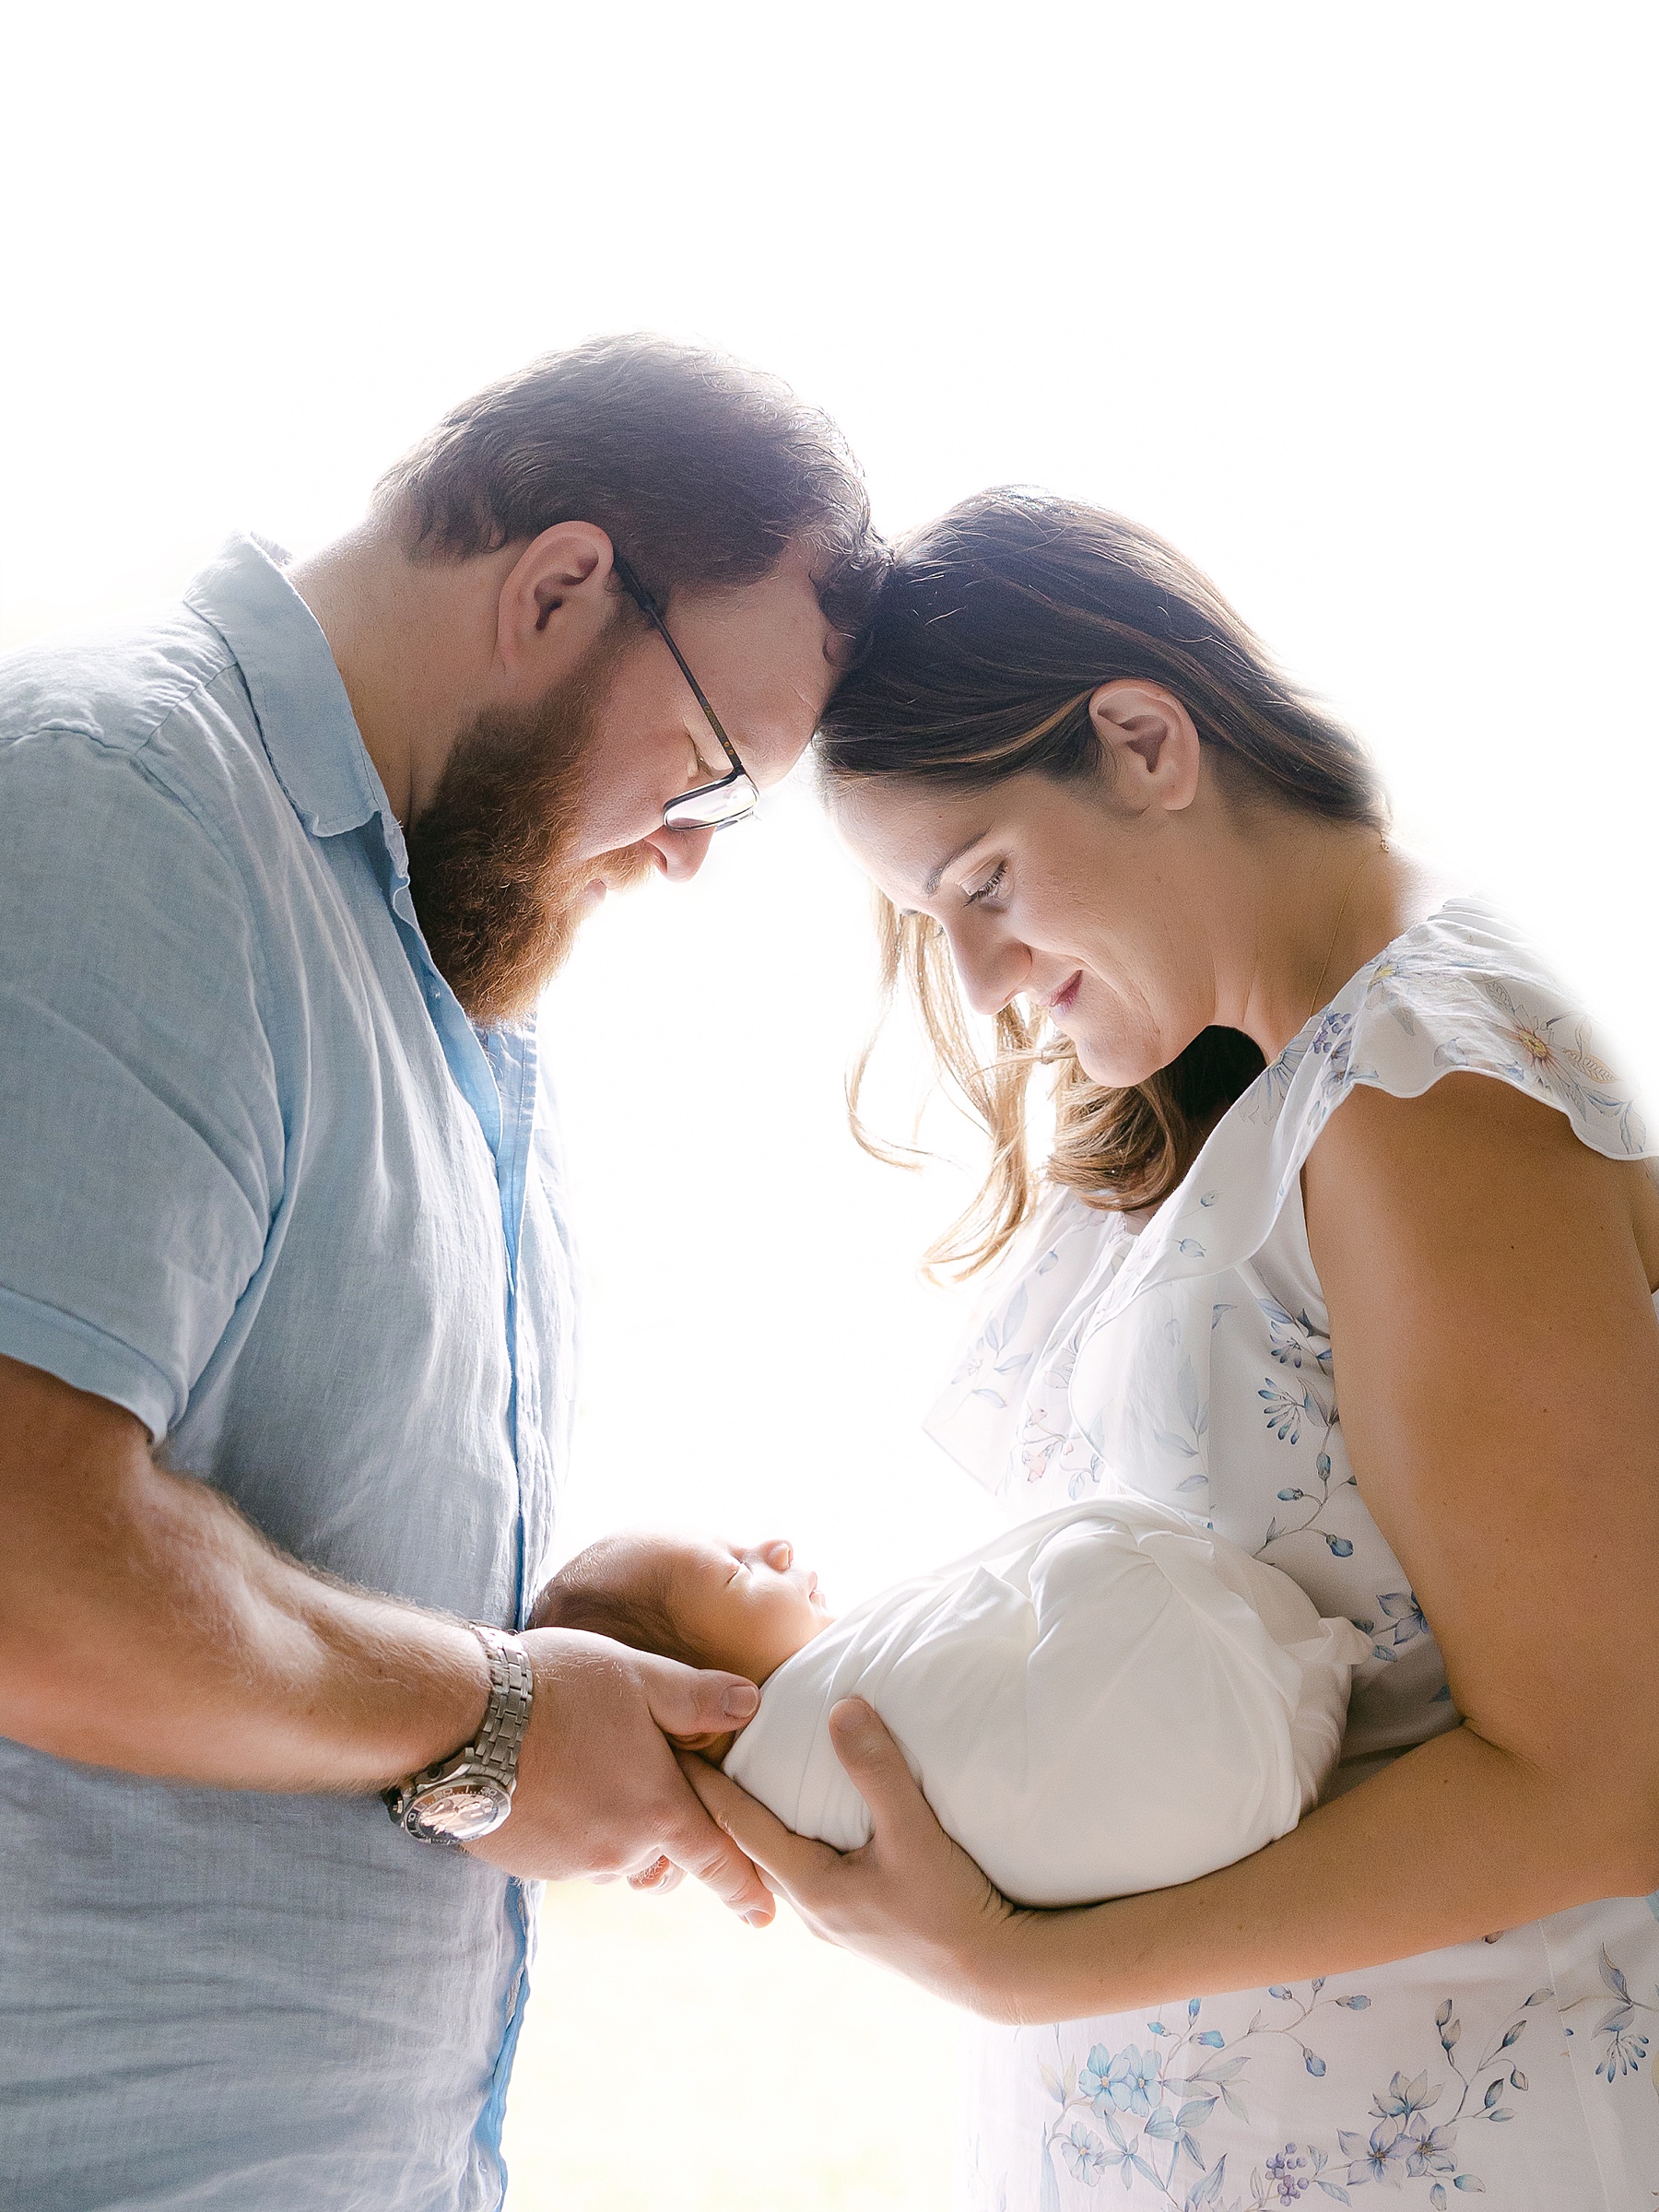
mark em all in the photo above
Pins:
pixel 1104 1700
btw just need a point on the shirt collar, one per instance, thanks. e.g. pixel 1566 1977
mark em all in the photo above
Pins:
pixel 304 716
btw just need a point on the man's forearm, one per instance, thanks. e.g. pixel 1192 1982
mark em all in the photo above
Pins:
pixel 145 1625
pixel 1455 1840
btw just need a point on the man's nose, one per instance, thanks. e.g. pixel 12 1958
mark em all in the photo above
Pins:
pixel 679 853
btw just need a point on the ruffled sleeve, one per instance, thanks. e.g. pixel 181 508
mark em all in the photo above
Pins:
pixel 1462 990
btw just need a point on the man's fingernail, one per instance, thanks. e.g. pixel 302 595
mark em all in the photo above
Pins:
pixel 757 1919
pixel 741 1701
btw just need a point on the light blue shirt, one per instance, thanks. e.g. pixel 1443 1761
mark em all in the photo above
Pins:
pixel 262 1183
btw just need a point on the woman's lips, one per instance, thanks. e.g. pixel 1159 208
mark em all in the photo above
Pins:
pixel 1065 996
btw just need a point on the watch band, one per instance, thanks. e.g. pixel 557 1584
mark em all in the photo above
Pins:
pixel 489 1764
pixel 507 1715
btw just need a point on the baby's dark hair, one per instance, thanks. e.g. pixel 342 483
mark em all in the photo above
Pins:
pixel 619 1587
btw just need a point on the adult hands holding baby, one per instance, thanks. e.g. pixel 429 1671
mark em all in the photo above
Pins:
pixel 599 1791
pixel 909 1898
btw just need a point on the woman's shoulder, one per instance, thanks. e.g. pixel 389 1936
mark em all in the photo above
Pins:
pixel 1462 990
pixel 1467 991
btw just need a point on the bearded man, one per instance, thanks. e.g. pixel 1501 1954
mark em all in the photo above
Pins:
pixel 286 1310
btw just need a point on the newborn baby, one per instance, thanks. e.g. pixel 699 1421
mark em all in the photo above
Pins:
pixel 1103 1701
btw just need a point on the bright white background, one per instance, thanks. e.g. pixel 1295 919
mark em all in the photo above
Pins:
pixel 1347 300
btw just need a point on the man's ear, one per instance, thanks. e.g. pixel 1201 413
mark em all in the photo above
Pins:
pixel 553 604
pixel 1152 745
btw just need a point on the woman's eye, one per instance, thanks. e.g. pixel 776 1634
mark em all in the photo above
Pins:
pixel 991 885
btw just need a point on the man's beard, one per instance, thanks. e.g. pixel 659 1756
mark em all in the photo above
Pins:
pixel 491 866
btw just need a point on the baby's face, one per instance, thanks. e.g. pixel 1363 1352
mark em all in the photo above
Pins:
pixel 745 1607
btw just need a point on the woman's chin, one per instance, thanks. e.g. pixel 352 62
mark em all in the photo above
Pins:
pixel 1113 1067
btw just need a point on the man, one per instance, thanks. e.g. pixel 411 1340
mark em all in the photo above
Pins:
pixel 285 1305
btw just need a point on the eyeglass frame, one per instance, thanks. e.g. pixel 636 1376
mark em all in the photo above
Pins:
pixel 629 579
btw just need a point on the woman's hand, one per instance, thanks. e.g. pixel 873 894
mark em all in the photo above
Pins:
pixel 911 1898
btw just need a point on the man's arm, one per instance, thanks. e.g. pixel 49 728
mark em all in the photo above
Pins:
pixel 145 1625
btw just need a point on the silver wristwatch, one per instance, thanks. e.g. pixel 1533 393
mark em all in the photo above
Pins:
pixel 457 1800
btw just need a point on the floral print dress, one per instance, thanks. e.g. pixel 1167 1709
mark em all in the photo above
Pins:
pixel 1191 1363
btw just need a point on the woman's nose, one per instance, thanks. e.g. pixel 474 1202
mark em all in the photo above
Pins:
pixel 991 969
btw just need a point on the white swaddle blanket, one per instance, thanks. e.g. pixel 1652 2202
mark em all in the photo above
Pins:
pixel 1103 1701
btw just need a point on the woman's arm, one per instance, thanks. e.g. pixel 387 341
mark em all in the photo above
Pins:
pixel 1498 1357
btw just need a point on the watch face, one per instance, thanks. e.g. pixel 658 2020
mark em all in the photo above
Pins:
pixel 460 1811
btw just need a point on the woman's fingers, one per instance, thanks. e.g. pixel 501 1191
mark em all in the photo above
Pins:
pixel 875 1763
pixel 911 1898
pixel 709 1852
pixel 786 1860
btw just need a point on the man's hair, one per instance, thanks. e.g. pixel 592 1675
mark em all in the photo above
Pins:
pixel 619 1588
pixel 702 471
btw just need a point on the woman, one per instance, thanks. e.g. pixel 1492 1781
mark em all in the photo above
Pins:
pixel 1321 1129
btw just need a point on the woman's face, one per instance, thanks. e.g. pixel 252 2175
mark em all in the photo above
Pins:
pixel 1056 893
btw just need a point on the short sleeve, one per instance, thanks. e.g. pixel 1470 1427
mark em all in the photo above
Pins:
pixel 141 1132
pixel 1463 992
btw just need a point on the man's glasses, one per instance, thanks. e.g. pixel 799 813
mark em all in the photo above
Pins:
pixel 708 806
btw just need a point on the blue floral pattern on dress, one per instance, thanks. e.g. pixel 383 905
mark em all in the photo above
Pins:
pixel 1188 1359
pixel 1153 2104
pixel 1146 2107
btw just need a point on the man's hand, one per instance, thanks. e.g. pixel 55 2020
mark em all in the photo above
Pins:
pixel 599 1791
pixel 144 1625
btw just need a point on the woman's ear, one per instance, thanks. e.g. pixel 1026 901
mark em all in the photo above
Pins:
pixel 1152 745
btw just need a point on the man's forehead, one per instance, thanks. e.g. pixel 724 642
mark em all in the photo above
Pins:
pixel 774 627
pixel 762 656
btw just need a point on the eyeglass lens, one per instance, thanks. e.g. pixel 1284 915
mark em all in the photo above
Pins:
pixel 716 806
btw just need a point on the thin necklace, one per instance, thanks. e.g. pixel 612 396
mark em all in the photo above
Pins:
pixel 1341 918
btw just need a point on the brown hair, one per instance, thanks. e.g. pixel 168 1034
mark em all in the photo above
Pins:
pixel 994 626
pixel 618 1587
pixel 703 471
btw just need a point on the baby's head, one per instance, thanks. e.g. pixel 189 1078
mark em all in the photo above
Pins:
pixel 746 1608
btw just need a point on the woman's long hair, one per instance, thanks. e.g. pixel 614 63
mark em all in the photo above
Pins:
pixel 996 626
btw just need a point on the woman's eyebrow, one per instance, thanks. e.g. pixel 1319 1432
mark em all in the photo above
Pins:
pixel 932 883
